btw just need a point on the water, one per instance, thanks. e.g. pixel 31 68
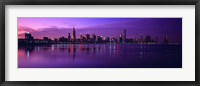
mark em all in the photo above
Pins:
pixel 101 56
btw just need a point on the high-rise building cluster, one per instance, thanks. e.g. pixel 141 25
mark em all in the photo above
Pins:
pixel 89 39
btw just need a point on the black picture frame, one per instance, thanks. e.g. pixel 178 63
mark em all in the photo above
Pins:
pixel 98 2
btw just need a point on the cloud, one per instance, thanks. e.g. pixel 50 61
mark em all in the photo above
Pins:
pixel 69 24
pixel 22 30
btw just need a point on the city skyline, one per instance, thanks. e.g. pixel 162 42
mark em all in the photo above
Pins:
pixel 99 42
pixel 155 27
pixel 89 39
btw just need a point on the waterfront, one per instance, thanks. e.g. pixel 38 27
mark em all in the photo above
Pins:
pixel 101 56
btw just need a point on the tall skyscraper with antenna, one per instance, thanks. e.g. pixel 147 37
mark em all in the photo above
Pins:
pixel 74 35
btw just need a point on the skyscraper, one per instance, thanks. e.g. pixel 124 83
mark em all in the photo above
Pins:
pixel 120 38
pixel 94 37
pixel 74 34
pixel 141 38
pixel 166 39
pixel 124 36
pixel 81 37
pixel 69 37
pixel 29 38
pixel 148 39
pixel 87 36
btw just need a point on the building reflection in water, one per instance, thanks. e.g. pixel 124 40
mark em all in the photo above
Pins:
pixel 124 49
pixel 96 49
pixel 99 55
pixel 28 50
pixel 73 51
pixel 117 50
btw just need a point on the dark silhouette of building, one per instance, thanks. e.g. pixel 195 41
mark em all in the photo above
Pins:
pixel 114 40
pixel 62 40
pixel 99 39
pixel 120 38
pixel 46 39
pixel 87 37
pixel 69 37
pixel 73 35
pixel 94 38
pixel 148 39
pixel 55 40
pixel 124 36
pixel 82 39
pixel 106 40
pixel 29 38
pixel 166 39
pixel 141 38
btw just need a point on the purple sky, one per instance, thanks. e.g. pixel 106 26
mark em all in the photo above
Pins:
pixel 111 27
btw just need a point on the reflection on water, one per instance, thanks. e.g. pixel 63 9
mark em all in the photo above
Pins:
pixel 100 56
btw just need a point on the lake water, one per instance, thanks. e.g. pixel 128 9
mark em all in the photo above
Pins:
pixel 101 56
